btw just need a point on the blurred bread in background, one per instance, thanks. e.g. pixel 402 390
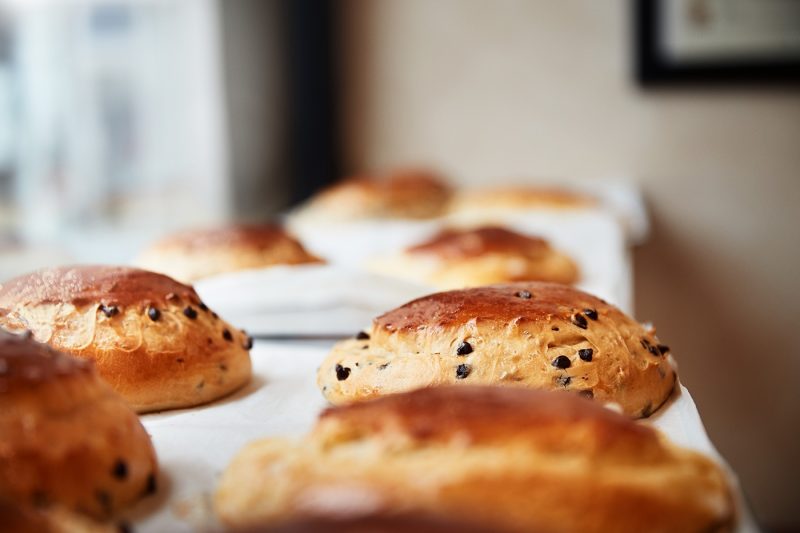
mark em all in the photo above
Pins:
pixel 400 194
pixel 470 257
pixel 65 437
pixel 151 338
pixel 513 198
pixel 195 254
pixel 507 458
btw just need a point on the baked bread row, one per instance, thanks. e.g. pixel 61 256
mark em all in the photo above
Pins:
pixel 453 258
pixel 420 194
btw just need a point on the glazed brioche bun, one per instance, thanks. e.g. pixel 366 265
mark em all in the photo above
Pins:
pixel 471 257
pixel 150 337
pixel 507 198
pixel 192 255
pixel 65 437
pixel 531 334
pixel 402 194
pixel 510 458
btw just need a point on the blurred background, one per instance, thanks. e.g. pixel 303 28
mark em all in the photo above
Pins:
pixel 121 120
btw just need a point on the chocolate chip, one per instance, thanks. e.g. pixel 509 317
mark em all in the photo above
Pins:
pixel 190 312
pixel 383 366
pixel 562 362
pixel 151 486
pixel 226 334
pixel 248 343
pixel 663 348
pixel 179 360
pixel 120 470
pixel 585 354
pixel 153 313
pixel 564 381
pixel 591 313
pixel 203 307
pixel 342 372
pixel 463 371
pixel 554 328
pixel 525 295
pixel 464 348
pixel 650 348
pixel 109 310
pixel 362 336
pixel 223 367
pixel 586 393
pixel 580 321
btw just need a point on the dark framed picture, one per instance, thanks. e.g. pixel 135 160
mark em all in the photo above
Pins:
pixel 716 41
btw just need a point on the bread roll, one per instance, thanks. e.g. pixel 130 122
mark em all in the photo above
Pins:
pixel 517 198
pixel 151 338
pixel 65 437
pixel 403 194
pixel 192 255
pixel 533 334
pixel 458 258
pixel 502 457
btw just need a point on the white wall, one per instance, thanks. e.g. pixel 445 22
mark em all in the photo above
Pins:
pixel 486 90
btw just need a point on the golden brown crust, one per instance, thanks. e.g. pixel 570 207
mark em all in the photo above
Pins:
pixel 196 254
pixel 475 242
pixel 151 338
pixel 494 415
pixel 458 258
pixel 65 437
pixel 518 197
pixel 534 334
pixel 374 523
pixel 515 459
pixel 79 285
pixel 405 193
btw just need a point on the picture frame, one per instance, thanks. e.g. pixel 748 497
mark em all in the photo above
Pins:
pixel 679 42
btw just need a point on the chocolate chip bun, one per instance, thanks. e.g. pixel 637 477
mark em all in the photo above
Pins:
pixel 516 198
pixel 192 255
pixel 151 338
pixel 66 438
pixel 513 458
pixel 403 194
pixel 471 257
pixel 532 334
